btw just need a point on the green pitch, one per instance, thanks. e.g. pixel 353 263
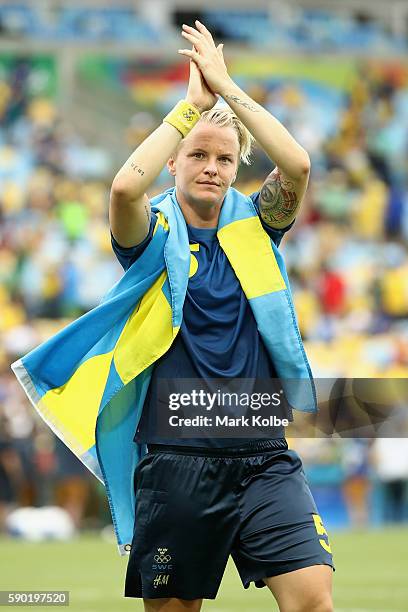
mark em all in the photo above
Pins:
pixel 371 574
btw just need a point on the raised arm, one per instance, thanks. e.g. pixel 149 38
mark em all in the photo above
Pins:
pixel 129 209
pixel 285 186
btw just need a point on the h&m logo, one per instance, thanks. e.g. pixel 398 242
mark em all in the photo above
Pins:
pixel 160 579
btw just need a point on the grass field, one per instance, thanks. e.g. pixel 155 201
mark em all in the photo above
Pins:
pixel 371 574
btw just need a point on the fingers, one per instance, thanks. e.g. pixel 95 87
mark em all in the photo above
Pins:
pixel 193 55
pixel 195 50
pixel 195 72
pixel 192 34
pixel 199 38
pixel 193 39
pixel 193 67
pixel 201 28
pixel 201 34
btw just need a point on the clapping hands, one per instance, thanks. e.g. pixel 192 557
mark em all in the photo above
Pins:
pixel 208 72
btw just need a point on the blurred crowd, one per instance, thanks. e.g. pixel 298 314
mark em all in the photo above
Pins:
pixel 347 260
pixel 289 27
pixel 347 253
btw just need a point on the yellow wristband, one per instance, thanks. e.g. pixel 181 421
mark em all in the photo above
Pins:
pixel 183 117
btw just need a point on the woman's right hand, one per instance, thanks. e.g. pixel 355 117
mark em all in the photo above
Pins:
pixel 198 92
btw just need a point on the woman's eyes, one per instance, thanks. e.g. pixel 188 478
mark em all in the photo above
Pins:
pixel 199 155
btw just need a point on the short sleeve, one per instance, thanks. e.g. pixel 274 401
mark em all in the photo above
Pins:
pixel 128 255
pixel 275 234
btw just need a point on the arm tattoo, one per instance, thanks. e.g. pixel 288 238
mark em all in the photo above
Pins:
pixel 137 168
pixel 278 200
pixel 242 103
pixel 147 211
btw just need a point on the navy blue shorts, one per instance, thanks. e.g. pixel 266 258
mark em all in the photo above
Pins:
pixel 195 507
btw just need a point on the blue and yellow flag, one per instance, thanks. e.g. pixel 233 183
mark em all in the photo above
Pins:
pixel 89 381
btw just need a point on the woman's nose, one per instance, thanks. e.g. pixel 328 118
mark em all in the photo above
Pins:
pixel 211 168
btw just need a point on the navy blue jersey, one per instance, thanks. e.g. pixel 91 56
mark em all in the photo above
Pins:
pixel 218 337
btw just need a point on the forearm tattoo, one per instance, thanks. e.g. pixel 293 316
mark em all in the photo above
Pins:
pixel 278 200
pixel 242 103
pixel 137 168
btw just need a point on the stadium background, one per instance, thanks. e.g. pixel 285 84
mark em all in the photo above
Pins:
pixel 81 84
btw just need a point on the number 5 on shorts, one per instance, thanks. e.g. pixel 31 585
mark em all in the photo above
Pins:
pixel 321 531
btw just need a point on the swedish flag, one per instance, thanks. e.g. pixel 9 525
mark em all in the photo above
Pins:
pixel 89 381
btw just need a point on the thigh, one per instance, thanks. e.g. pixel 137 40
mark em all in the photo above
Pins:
pixel 184 528
pixel 304 590
pixel 280 530
pixel 172 604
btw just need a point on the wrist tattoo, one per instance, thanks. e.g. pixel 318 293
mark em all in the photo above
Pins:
pixel 137 168
pixel 278 200
pixel 242 103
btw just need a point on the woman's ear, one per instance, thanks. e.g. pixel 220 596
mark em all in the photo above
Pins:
pixel 171 166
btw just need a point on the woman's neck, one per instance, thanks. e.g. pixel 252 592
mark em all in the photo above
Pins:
pixel 199 215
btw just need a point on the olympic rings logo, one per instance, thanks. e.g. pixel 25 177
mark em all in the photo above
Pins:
pixel 162 558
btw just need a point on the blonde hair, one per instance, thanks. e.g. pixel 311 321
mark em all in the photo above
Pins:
pixel 224 116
